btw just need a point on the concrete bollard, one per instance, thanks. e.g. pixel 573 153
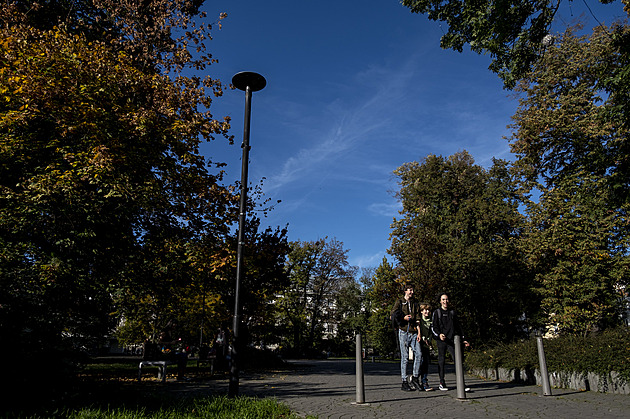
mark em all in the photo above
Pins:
pixel 459 368
pixel 359 372
pixel 544 375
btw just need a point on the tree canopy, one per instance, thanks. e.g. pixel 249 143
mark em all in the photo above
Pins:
pixel 382 289
pixel 514 32
pixel 563 125
pixel 575 156
pixel 458 234
pixel 318 270
pixel 570 142
pixel 102 186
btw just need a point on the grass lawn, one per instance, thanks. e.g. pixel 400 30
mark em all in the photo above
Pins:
pixel 108 388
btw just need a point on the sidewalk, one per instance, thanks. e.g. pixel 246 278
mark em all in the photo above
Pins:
pixel 326 389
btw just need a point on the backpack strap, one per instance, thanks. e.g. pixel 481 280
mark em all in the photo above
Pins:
pixel 451 312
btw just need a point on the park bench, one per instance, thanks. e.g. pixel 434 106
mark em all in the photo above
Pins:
pixel 208 359
pixel 161 365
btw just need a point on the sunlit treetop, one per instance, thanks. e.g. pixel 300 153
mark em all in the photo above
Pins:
pixel 513 32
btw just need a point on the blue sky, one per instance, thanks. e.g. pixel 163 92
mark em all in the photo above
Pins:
pixel 354 90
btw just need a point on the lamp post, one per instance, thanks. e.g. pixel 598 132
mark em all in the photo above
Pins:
pixel 248 82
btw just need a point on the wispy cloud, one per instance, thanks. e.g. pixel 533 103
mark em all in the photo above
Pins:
pixel 355 124
pixel 368 261
pixel 387 209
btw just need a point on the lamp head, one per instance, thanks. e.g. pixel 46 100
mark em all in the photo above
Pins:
pixel 243 79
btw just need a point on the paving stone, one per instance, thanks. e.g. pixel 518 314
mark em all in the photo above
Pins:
pixel 327 389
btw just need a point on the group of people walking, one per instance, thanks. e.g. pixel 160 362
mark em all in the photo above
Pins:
pixel 417 328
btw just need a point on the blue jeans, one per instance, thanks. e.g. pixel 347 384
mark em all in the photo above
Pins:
pixel 408 340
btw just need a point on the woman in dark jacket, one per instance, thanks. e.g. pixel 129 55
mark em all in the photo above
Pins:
pixel 444 328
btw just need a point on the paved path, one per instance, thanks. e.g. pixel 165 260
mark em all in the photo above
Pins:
pixel 326 389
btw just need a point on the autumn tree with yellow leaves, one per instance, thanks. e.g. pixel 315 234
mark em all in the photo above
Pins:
pixel 108 211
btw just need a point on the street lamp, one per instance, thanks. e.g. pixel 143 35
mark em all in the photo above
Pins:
pixel 248 82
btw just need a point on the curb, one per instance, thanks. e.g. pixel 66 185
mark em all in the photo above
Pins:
pixel 610 383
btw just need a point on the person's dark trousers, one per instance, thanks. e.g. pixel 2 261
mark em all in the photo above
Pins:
pixel 442 347
pixel 424 366
pixel 182 361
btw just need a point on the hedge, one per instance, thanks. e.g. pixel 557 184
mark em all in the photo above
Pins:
pixel 599 353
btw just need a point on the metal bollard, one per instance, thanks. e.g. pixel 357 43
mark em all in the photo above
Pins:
pixel 544 375
pixel 359 372
pixel 459 368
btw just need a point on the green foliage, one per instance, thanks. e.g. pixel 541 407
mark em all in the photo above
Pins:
pixel 143 30
pixel 511 355
pixel 615 77
pixel 351 317
pixel 203 297
pixel 318 271
pixel 574 154
pixel 382 289
pixel 564 123
pixel 384 286
pixel 458 234
pixel 599 353
pixel 265 277
pixel 571 143
pixel 512 32
pixel 381 336
pixel 576 249
pixel 104 195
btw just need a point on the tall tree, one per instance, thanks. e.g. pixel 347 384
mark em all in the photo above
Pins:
pixel 350 316
pixel 573 124
pixel 382 288
pixel 101 178
pixel 577 248
pixel 199 295
pixel 265 277
pixel 318 270
pixel 563 124
pixel 514 32
pixel 576 156
pixel 457 234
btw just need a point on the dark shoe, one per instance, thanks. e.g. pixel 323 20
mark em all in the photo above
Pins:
pixel 426 387
pixel 406 387
pixel 416 384
pixel 443 387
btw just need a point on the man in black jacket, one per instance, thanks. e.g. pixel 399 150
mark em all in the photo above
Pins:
pixel 445 327
pixel 406 311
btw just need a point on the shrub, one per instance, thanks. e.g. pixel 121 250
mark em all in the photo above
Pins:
pixel 599 353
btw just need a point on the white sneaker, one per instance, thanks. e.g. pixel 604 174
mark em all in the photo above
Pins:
pixel 467 389
pixel 443 387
